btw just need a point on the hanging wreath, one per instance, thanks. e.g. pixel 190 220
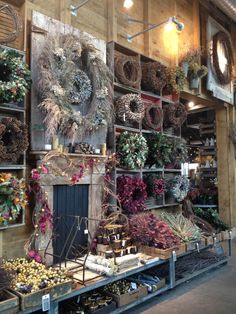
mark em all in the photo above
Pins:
pixel 12 197
pixel 179 152
pixel 71 73
pixel 178 187
pixel 132 194
pixel 155 186
pixel 153 117
pixel 132 150
pixel 175 80
pixel 130 107
pixel 175 115
pixel 154 76
pixel 221 38
pixel 11 13
pixel 14 76
pixel 13 139
pixel 128 70
pixel 82 88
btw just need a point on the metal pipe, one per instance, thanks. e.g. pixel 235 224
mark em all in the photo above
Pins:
pixel 74 9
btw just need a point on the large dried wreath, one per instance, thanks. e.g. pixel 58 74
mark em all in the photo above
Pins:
pixel 130 107
pixel 175 115
pixel 75 87
pixel 153 117
pixel 128 70
pixel 8 12
pixel 154 76
pixel 13 139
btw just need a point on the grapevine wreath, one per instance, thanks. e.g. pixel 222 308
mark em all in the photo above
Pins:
pixel 175 115
pixel 132 194
pixel 14 76
pixel 175 80
pixel 154 76
pixel 130 107
pixel 8 11
pixel 223 38
pixel 128 70
pixel 13 139
pixel 132 150
pixel 153 117
pixel 75 87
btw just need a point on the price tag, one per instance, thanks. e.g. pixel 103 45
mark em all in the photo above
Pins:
pixel 134 286
pixel 85 231
pixel 46 302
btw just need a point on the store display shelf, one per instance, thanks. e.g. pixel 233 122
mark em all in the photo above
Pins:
pixel 208 169
pixel 171 135
pixel 143 92
pixel 125 88
pixel 171 204
pixel 192 251
pixel 141 300
pixel 12 167
pixel 172 170
pixel 167 100
pixel 152 170
pixel 44 152
pixel 11 108
pixel 128 170
pixel 203 270
pixel 205 206
pixel 126 128
pixel 148 131
pixel 154 206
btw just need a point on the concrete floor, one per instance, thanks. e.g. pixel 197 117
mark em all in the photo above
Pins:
pixel 210 293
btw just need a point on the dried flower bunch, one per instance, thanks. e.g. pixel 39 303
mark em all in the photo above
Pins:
pixel 197 71
pixel 147 229
pixel 192 55
pixel 178 187
pixel 182 227
pixel 75 87
pixel 14 76
pixel 13 197
pixel 132 150
pixel 13 139
pixel 132 194
pixel 130 107
pixel 175 80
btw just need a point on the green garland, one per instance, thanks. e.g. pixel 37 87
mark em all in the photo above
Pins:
pixel 14 76
pixel 132 150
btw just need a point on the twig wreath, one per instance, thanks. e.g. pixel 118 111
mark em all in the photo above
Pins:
pixel 175 115
pixel 153 117
pixel 130 107
pixel 132 150
pixel 14 76
pixel 11 13
pixel 154 76
pixel 178 187
pixel 223 39
pixel 13 139
pixel 128 70
pixel 132 194
pixel 75 87
pixel 175 80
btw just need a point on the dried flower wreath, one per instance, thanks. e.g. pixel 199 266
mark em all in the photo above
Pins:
pixel 75 87
pixel 130 107
pixel 175 115
pixel 154 76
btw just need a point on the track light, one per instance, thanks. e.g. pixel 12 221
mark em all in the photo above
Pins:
pixel 128 4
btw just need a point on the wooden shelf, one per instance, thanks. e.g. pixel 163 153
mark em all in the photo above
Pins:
pixel 126 128
pixel 44 152
pixel 152 170
pixel 124 88
pixel 205 206
pixel 11 108
pixel 12 167
pixel 172 170
pixel 143 92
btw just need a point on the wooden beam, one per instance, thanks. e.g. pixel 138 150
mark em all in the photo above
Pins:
pixel 112 20
pixel 196 24
pixel 148 35
pixel 64 13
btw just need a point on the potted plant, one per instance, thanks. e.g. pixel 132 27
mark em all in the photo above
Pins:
pixel 196 72
pixel 192 55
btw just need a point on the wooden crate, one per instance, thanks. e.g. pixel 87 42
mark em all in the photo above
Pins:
pixel 34 299
pixel 191 246
pixel 10 305
pixel 162 254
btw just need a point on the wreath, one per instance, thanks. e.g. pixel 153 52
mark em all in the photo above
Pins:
pixel 132 150
pixel 175 80
pixel 13 139
pixel 132 194
pixel 130 107
pixel 128 70
pixel 12 197
pixel 178 187
pixel 154 76
pixel 155 185
pixel 75 87
pixel 153 117
pixel 175 115
pixel 179 151
pixel 223 38
pixel 14 76
pixel 9 11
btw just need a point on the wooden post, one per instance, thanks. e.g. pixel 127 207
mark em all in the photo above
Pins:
pixel 65 14
pixel 148 35
pixel 196 24
pixel 111 20
pixel 1 239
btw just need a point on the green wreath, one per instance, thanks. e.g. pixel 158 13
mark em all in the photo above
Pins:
pixel 132 150
pixel 14 76
pixel 175 80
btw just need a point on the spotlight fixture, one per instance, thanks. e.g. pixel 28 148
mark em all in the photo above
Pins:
pixel 128 4
pixel 172 20
pixel 191 104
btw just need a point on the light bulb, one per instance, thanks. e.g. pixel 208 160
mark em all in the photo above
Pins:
pixel 191 104
pixel 169 26
pixel 128 4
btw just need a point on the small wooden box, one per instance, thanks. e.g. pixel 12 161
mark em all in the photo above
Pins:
pixel 34 299
pixel 10 305
pixel 163 254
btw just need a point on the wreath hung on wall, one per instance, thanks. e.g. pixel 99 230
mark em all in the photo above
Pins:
pixel 128 70
pixel 155 185
pixel 132 194
pixel 14 76
pixel 153 117
pixel 178 187
pixel 132 150
pixel 175 115
pixel 75 87
pixel 11 13
pixel 179 151
pixel 154 76
pixel 175 80
pixel 221 38
pixel 12 197
pixel 13 139
pixel 130 107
